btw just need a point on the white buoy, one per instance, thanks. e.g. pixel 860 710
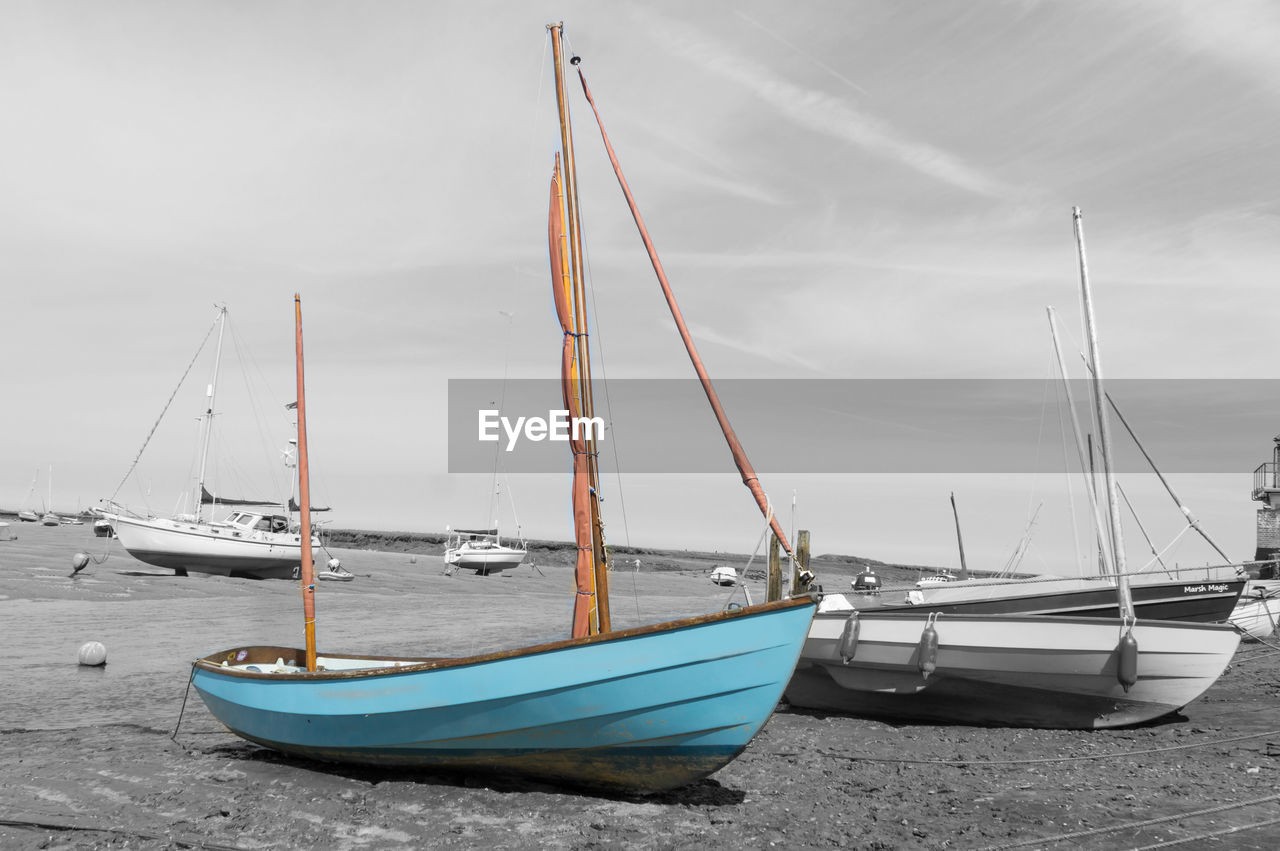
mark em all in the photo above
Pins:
pixel 93 654
pixel 334 564
pixel 79 562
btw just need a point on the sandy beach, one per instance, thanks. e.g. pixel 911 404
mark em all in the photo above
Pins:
pixel 88 759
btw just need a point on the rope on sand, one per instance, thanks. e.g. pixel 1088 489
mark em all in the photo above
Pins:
pixel 1041 760
pixel 179 841
pixel 1211 835
pixel 1131 825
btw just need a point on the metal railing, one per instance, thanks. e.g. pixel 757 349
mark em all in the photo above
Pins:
pixel 1266 477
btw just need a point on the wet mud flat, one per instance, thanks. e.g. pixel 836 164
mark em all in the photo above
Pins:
pixel 87 759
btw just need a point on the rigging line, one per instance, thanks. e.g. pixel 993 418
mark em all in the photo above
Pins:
pixel 768 524
pixel 1191 518
pixel 185 372
pixel 502 401
pixel 1071 496
pixel 1044 407
pixel 604 383
pixel 1168 547
pixel 248 363
pixel 532 167
pixel 1142 529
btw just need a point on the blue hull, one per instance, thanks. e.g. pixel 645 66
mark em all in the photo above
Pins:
pixel 646 709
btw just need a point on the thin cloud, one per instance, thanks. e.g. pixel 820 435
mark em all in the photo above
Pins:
pixel 773 352
pixel 822 113
pixel 1241 35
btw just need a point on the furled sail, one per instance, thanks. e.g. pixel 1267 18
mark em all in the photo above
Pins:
pixel 207 498
pixel 562 288
pixel 293 506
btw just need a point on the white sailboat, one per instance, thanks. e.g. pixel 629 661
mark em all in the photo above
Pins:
pixel 482 550
pixel 49 518
pixel 26 513
pixel 1011 669
pixel 253 540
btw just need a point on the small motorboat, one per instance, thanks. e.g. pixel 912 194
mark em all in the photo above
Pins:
pixel 724 575
pixel 335 572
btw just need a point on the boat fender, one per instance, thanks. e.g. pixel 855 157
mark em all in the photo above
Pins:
pixel 1127 669
pixel 928 655
pixel 849 639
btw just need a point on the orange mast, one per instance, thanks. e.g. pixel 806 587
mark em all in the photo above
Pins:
pixel 581 374
pixel 307 573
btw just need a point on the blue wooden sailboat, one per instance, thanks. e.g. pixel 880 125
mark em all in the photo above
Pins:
pixel 646 709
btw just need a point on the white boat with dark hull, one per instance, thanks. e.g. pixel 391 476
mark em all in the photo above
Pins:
pixel 1199 595
pixel 1005 670
pixel 1049 669
pixel 247 543
pixel 482 550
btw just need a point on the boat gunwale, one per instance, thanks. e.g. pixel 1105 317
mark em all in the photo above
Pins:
pixel 213 663
pixel 939 618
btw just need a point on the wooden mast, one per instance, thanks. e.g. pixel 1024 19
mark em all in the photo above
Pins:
pixel 964 568
pixel 1104 430
pixel 600 566
pixel 307 573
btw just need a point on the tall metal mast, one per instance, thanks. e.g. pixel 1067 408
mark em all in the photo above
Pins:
pixel 208 413
pixel 1104 429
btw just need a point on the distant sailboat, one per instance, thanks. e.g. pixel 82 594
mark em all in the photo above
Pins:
pixel 50 518
pixel 25 512
pixel 251 541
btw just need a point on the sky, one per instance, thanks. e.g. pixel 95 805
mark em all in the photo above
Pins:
pixel 838 190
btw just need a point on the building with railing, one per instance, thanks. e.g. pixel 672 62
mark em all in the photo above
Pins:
pixel 1266 489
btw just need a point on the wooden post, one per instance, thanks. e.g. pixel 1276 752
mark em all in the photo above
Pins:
pixel 774 588
pixel 802 561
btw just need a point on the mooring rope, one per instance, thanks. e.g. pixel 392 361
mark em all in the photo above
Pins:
pixel 1213 834
pixel 183 710
pixel 168 839
pixel 1053 759
pixel 1131 825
